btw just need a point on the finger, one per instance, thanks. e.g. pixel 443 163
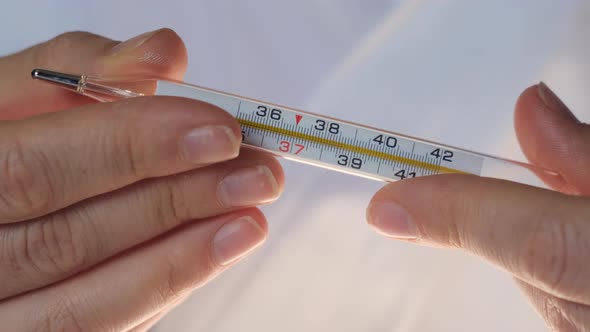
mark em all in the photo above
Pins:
pixel 541 236
pixel 125 291
pixel 148 324
pixel 152 321
pixel 54 160
pixel 160 53
pixel 560 315
pixel 551 136
pixel 52 248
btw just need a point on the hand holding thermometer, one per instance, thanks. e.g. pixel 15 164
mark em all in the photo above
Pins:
pixel 311 138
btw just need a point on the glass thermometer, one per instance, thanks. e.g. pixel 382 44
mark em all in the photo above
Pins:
pixel 311 138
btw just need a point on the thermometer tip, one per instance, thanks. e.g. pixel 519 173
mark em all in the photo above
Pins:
pixel 35 73
pixel 65 80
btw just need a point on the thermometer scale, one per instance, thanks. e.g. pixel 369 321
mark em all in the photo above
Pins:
pixel 312 138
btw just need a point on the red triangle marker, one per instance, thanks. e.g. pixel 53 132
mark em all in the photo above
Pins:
pixel 298 118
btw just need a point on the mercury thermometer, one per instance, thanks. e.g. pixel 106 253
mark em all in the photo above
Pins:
pixel 312 138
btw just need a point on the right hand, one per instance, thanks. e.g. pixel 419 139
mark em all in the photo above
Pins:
pixel 540 237
pixel 112 213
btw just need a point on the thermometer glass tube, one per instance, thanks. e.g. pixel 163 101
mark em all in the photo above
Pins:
pixel 312 138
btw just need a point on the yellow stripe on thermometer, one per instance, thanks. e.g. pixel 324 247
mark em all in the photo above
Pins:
pixel 312 138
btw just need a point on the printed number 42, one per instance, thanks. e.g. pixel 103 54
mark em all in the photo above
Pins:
pixel 446 155
pixel 285 146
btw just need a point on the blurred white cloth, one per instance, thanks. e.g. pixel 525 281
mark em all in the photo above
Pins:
pixel 448 71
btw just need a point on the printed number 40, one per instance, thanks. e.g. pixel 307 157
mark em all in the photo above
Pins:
pixel 285 146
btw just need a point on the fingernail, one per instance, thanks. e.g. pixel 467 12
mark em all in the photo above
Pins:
pixel 391 220
pixel 209 144
pixel 236 239
pixel 133 43
pixel 553 102
pixel 248 187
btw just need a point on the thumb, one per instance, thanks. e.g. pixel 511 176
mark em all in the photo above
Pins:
pixel 159 53
pixel 540 236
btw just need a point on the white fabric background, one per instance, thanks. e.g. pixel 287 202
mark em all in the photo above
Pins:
pixel 448 71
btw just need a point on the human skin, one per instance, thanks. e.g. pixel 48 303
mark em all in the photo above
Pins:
pixel 112 213
pixel 105 225
pixel 541 237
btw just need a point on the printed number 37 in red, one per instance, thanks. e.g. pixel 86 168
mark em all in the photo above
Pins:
pixel 285 146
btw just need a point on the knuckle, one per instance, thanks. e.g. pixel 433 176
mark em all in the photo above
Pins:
pixel 26 188
pixel 456 229
pixel 60 316
pixel 10 261
pixel 460 211
pixel 52 52
pixel 180 277
pixel 56 246
pixel 555 316
pixel 547 254
pixel 127 153
pixel 174 284
pixel 171 206
pixel 72 37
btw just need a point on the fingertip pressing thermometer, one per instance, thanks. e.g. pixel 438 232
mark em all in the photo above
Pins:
pixel 312 138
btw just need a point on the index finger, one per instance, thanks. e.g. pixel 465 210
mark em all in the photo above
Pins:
pixel 551 136
pixel 53 160
pixel 160 53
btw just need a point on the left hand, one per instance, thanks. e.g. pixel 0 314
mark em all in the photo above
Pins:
pixel 112 213
pixel 541 237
